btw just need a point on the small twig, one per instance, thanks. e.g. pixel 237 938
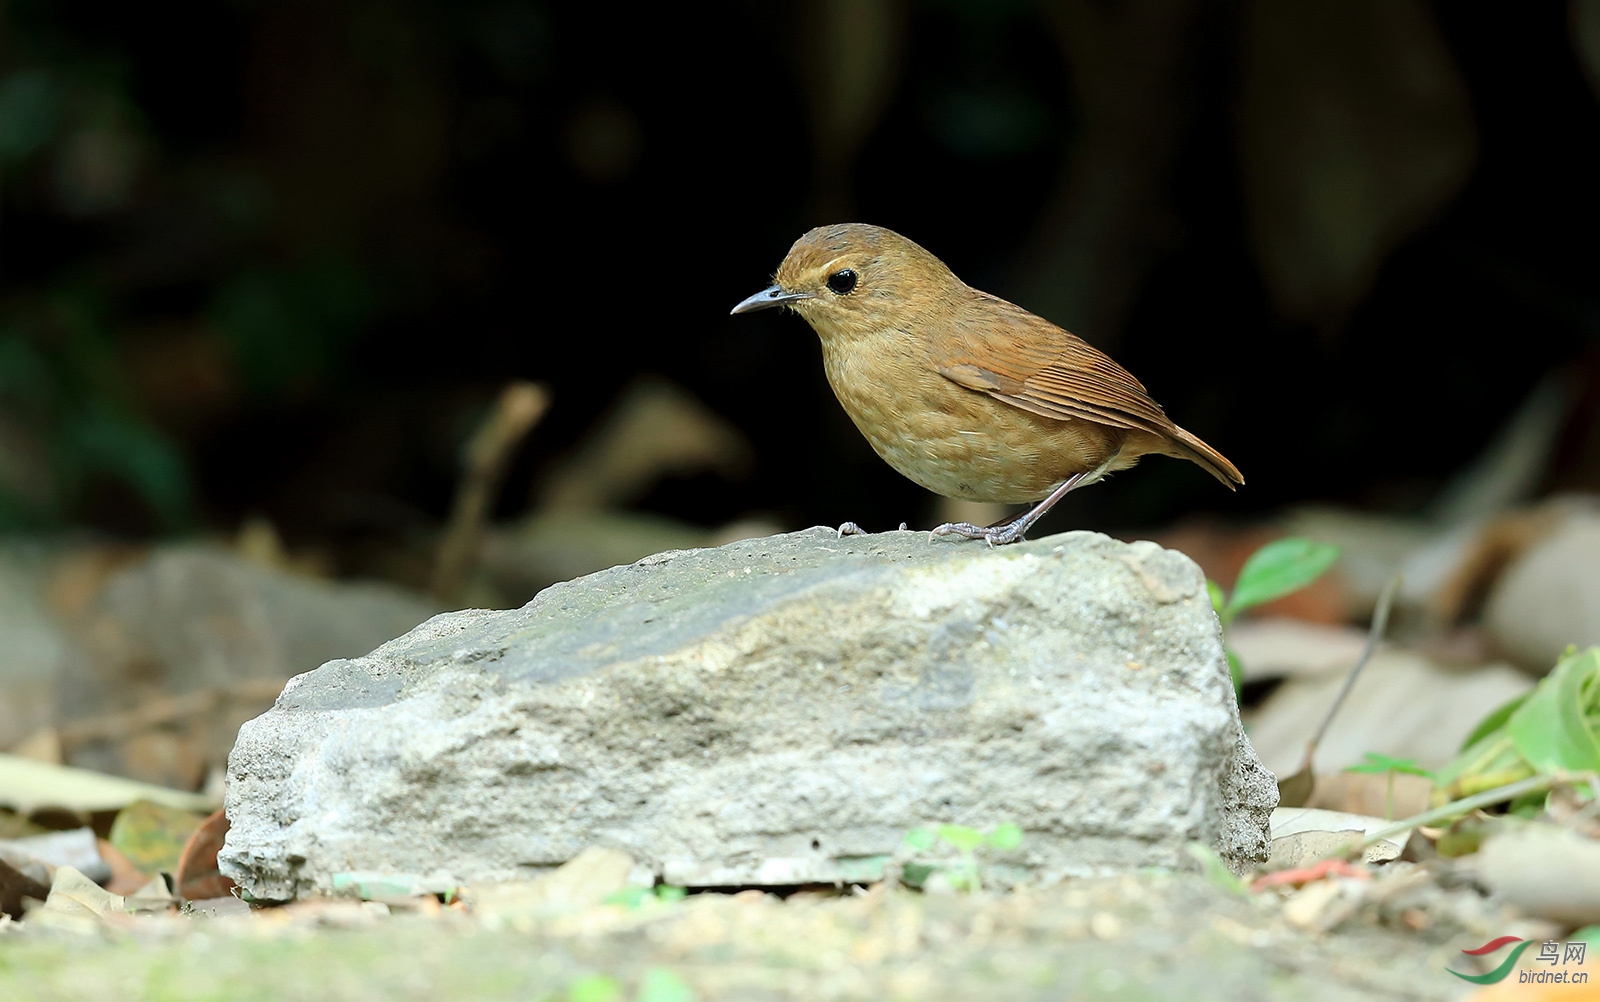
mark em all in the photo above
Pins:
pixel 1455 808
pixel 166 710
pixel 1295 790
pixel 519 408
pixel 1380 623
pixel 1306 874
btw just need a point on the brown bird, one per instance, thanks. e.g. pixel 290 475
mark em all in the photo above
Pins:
pixel 964 393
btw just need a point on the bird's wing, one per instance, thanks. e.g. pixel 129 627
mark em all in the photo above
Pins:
pixel 1030 363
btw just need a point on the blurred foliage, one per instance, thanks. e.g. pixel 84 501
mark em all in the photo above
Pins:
pixel 68 420
pixel 287 326
pixel 1354 128
pixel 1553 730
pixel 78 156
pixel 963 872
pixel 274 257
pixel 1275 570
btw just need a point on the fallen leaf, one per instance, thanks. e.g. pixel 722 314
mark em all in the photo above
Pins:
pixel 43 745
pixel 152 835
pixel 76 904
pixel 26 785
pixel 154 896
pixel 126 878
pixel 196 876
pixel 16 885
pixel 77 848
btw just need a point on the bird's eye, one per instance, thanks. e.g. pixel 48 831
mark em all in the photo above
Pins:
pixel 842 282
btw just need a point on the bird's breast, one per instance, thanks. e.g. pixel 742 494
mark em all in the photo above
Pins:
pixel 949 439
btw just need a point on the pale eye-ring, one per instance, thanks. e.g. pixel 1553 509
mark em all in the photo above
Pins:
pixel 842 282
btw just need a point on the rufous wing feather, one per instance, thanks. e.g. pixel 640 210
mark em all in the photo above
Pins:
pixel 1032 364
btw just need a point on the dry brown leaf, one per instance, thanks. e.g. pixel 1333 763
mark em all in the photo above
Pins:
pixel 197 877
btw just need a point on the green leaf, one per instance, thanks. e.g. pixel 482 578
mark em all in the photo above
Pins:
pixel 1280 567
pixel 961 837
pixel 1377 762
pixel 916 874
pixel 1219 600
pixel 1215 870
pixel 1495 720
pixel 636 897
pixel 153 836
pixel 1366 767
pixel 628 897
pixel 594 988
pixel 107 441
pixel 661 985
pixel 1005 837
pixel 921 839
pixel 30 110
pixel 1549 730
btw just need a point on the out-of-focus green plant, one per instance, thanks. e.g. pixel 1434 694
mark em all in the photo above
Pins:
pixel 967 842
pixel 285 327
pixel 1278 568
pixel 1553 729
pixel 74 145
pixel 72 142
pixel 1377 763
pixel 67 419
pixel 1215 870
pixel 635 898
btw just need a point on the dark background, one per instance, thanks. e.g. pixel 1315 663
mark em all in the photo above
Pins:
pixel 277 259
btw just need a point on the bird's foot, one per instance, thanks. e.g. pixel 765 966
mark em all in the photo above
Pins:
pixel 994 535
pixel 852 529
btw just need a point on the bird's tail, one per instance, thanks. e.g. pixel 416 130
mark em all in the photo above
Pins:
pixel 1190 447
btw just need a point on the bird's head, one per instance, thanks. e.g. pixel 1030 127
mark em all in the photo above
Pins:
pixel 856 278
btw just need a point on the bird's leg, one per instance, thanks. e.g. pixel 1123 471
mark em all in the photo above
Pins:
pixel 1002 523
pixel 1014 529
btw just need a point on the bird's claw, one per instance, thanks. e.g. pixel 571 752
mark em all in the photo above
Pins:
pixel 994 535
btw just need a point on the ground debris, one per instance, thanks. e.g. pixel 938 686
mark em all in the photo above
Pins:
pixel 1153 934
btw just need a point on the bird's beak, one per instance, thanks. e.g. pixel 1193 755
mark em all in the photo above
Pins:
pixel 771 296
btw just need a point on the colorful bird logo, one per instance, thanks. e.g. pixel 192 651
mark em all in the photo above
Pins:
pixel 1499 973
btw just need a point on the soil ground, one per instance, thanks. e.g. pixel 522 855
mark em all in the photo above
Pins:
pixel 1149 936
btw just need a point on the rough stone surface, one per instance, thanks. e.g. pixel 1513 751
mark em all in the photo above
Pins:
pixel 774 711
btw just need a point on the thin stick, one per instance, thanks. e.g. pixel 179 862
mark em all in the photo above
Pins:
pixel 1380 623
pixel 1455 808
pixel 166 710
pixel 520 406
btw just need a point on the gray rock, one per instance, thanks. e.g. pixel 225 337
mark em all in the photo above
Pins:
pixel 1545 870
pixel 76 848
pixel 774 711
pixel 192 617
pixel 34 642
pixel 1550 596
